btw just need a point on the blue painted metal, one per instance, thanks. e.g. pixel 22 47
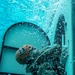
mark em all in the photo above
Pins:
pixel 16 36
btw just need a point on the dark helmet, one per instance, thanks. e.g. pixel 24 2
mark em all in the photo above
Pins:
pixel 23 53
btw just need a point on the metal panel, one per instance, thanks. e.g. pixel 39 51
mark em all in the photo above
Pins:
pixel 16 36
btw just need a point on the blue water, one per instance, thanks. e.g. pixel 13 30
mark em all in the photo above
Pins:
pixel 39 12
pixel 43 13
pixel 13 11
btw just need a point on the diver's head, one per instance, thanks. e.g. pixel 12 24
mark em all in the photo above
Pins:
pixel 23 54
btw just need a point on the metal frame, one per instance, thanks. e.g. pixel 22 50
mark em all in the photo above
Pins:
pixel 21 23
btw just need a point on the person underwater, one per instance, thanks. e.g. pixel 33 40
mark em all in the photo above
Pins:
pixel 41 62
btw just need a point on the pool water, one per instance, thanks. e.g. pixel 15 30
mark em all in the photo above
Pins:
pixel 43 13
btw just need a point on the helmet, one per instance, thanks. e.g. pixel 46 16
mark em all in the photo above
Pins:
pixel 23 53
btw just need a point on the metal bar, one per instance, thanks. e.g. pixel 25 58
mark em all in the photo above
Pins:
pixel 10 47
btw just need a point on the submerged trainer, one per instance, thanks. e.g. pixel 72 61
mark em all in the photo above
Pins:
pixel 45 62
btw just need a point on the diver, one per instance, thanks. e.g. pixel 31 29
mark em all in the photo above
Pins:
pixel 41 62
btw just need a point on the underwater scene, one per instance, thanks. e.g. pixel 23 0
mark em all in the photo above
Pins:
pixel 37 37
